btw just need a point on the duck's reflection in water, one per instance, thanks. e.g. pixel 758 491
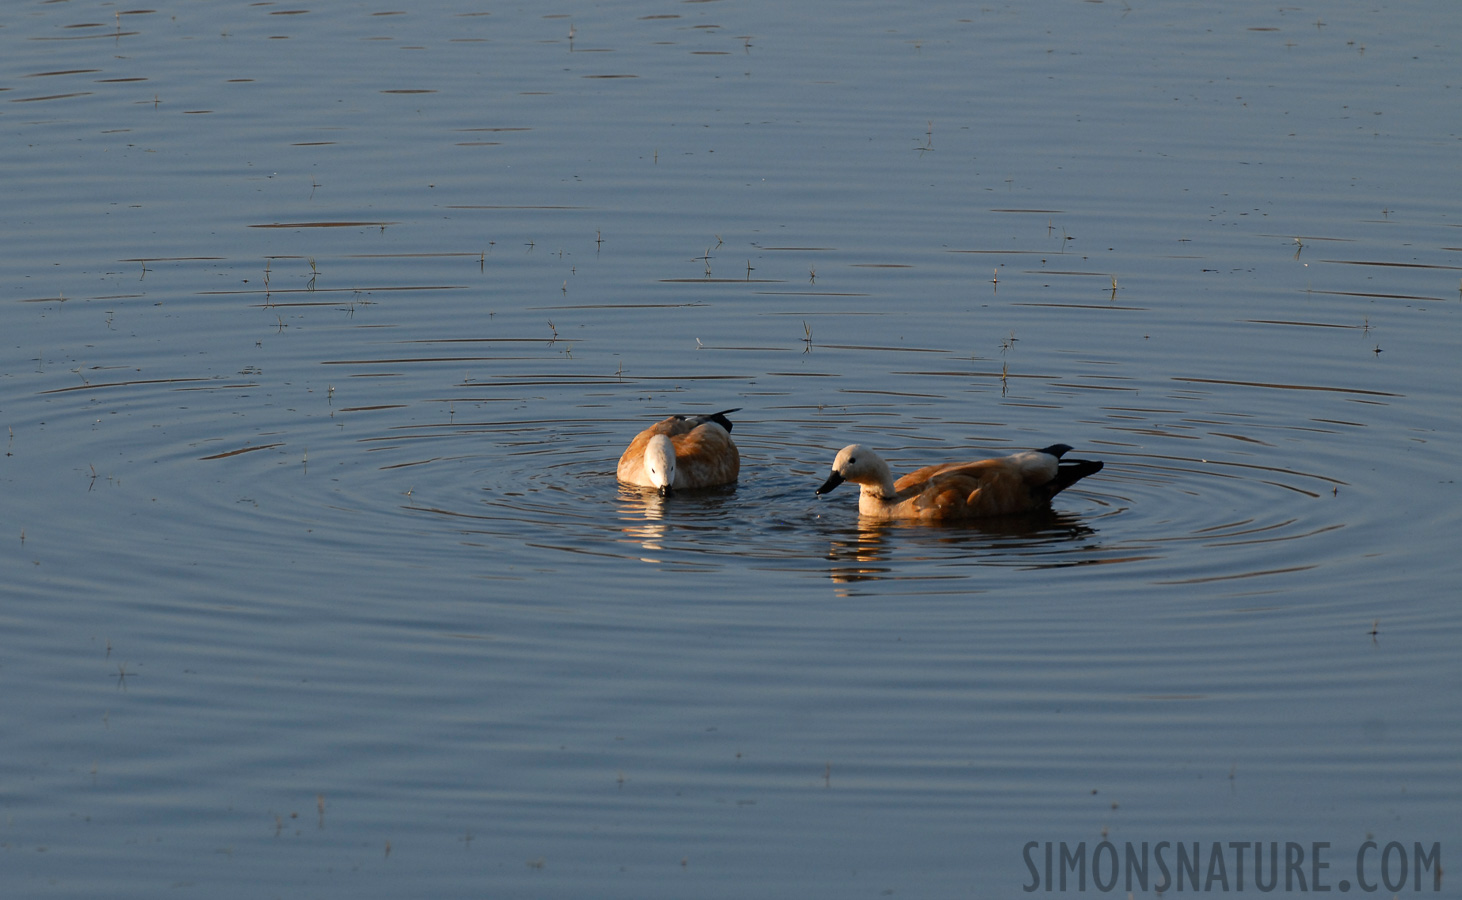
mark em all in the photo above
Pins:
pixel 643 515
pixel 646 514
pixel 873 549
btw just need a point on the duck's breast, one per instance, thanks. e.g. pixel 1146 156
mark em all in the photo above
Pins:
pixel 631 467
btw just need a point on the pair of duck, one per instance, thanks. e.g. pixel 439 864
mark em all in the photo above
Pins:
pixel 688 452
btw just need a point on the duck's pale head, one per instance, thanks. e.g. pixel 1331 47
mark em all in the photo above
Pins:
pixel 660 463
pixel 858 464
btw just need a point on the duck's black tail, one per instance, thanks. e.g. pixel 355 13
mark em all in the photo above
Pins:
pixel 720 418
pixel 1071 471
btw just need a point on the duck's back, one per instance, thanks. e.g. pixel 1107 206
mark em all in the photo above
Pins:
pixel 964 490
pixel 987 487
pixel 705 456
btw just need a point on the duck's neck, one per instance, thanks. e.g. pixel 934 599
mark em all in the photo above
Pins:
pixel 877 500
pixel 879 485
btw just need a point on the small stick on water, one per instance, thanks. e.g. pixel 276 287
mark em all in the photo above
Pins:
pixel 928 140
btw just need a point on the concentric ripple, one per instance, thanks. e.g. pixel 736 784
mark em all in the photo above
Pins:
pixel 551 486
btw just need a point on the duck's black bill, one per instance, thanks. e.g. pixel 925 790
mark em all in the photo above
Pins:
pixel 833 481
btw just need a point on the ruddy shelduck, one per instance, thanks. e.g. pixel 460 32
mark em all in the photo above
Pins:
pixel 682 453
pixel 1019 483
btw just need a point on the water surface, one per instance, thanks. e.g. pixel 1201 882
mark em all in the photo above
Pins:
pixel 323 330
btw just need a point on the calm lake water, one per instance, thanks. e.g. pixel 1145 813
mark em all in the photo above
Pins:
pixel 322 328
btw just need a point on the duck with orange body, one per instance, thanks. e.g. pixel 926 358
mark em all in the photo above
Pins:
pixel 682 453
pixel 1020 483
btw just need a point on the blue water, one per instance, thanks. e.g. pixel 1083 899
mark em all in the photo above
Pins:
pixel 321 331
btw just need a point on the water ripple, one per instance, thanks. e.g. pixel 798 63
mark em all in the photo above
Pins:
pixel 552 487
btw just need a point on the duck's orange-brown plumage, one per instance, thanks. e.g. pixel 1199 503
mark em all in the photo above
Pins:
pixel 1021 482
pixel 700 454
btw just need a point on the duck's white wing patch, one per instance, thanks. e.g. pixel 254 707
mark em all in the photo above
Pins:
pixel 1034 466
